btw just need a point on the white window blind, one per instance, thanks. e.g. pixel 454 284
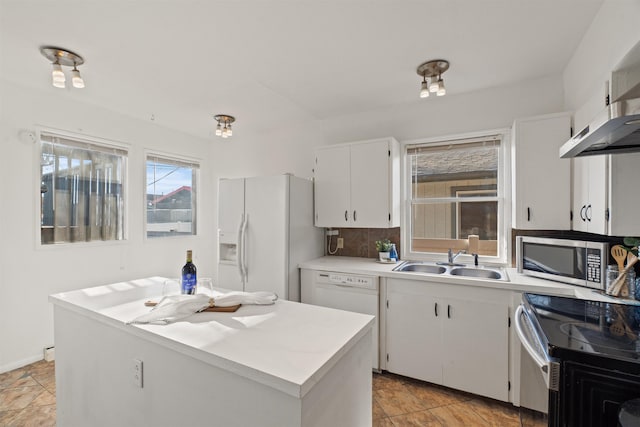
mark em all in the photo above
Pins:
pixel 82 187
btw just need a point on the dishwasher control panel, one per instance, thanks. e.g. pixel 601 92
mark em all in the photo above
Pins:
pixel 355 281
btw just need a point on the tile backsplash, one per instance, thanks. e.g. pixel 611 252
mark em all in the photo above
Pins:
pixel 361 242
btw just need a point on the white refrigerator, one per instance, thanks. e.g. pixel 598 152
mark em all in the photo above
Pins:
pixel 265 229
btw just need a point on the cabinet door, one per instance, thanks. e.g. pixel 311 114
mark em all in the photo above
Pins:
pixel 542 180
pixel 413 332
pixel 580 193
pixel 598 195
pixel 476 354
pixel 370 184
pixel 332 186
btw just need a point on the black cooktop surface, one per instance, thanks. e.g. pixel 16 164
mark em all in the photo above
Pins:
pixel 591 327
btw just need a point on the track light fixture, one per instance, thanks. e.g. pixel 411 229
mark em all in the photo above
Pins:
pixel 59 57
pixel 432 70
pixel 223 128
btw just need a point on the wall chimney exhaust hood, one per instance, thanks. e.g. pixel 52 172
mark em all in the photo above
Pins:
pixel 616 129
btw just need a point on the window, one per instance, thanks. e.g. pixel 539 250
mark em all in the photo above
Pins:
pixel 81 190
pixel 170 197
pixel 455 190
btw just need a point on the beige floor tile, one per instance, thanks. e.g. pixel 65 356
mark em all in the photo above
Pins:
pixel 496 413
pixel 432 396
pixel 15 378
pixel 416 419
pixel 459 415
pixel 46 380
pixel 387 381
pixel 531 418
pixel 35 416
pixel 6 417
pixel 44 399
pixel 397 401
pixel 377 411
pixel 382 422
pixel 19 398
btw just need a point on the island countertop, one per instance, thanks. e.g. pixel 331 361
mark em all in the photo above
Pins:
pixel 288 346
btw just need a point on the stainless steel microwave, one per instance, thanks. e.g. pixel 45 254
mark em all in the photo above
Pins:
pixel 576 262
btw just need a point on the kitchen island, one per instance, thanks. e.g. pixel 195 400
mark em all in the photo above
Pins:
pixel 286 364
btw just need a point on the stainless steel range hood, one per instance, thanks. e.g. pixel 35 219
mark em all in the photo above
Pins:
pixel 616 129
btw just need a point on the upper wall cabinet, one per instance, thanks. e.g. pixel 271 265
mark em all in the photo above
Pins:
pixel 358 184
pixel 604 194
pixel 541 180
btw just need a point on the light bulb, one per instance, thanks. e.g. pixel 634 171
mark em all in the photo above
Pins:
pixel 218 130
pixel 424 89
pixel 57 76
pixel 441 90
pixel 433 86
pixel 76 79
pixel 225 134
pixel 229 131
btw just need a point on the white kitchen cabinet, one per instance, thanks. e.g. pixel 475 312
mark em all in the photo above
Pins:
pixel 358 185
pixel 604 188
pixel 541 180
pixel 451 335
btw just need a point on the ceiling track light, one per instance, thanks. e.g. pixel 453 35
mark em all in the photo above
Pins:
pixel 223 128
pixel 60 57
pixel 432 70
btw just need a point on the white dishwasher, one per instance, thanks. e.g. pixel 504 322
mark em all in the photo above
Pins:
pixel 349 292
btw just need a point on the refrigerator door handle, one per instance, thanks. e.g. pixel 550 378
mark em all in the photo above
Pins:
pixel 244 248
pixel 239 247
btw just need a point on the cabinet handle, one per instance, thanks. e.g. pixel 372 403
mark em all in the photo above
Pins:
pixel 435 307
pixel 449 311
pixel 354 216
pixel 587 213
pixel 582 217
pixel 528 214
pixel 346 215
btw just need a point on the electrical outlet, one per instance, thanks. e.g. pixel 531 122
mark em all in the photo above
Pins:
pixel 137 372
pixel 340 243
pixel 333 232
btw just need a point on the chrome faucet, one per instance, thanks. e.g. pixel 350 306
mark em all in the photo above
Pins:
pixel 452 257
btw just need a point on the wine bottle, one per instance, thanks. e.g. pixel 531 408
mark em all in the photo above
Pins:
pixel 189 278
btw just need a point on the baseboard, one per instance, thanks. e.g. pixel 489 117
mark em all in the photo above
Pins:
pixel 20 363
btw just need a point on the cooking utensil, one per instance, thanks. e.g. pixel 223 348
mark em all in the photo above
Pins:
pixel 621 325
pixel 616 286
pixel 619 253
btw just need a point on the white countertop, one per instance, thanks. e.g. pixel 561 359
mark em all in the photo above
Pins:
pixel 517 282
pixel 287 345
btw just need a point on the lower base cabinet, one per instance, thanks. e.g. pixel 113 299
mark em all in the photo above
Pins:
pixel 450 335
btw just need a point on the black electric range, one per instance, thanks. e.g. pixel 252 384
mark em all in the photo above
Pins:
pixel 597 345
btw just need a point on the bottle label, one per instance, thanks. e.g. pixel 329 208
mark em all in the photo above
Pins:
pixel 189 284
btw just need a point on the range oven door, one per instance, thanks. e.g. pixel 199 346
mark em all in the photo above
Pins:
pixel 535 345
pixel 532 340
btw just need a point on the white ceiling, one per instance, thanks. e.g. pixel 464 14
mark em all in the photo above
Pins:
pixel 272 62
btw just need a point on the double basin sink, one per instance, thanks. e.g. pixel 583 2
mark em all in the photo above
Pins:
pixel 491 273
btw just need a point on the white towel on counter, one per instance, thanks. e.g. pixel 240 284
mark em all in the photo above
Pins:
pixel 176 307
pixel 228 299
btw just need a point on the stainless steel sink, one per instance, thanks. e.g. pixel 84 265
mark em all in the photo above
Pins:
pixel 476 272
pixel 422 268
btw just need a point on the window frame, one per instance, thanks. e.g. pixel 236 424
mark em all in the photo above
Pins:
pixel 187 161
pixel 503 197
pixel 78 138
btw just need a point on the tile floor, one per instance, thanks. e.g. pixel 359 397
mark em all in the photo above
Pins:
pixel 27 398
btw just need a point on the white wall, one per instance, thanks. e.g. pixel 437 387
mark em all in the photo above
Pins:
pixel 28 274
pixel 613 32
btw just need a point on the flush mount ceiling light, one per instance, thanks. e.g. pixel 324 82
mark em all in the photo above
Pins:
pixel 59 57
pixel 432 70
pixel 223 128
